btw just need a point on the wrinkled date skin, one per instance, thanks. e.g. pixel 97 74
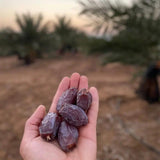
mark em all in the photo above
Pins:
pixel 49 126
pixel 67 136
pixel 74 115
pixel 69 96
pixel 84 99
pixel 71 114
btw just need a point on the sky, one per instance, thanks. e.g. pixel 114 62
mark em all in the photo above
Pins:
pixel 49 9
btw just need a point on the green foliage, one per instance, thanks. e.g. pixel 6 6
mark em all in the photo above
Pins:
pixel 30 41
pixel 125 57
pixel 94 45
pixel 34 38
pixel 33 35
pixel 137 27
pixel 66 35
pixel 103 14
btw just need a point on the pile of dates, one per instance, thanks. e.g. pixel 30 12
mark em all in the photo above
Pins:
pixel 71 114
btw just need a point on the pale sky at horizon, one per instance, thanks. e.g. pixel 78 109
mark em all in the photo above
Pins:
pixel 48 8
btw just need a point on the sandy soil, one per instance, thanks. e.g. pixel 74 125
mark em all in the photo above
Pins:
pixel 125 123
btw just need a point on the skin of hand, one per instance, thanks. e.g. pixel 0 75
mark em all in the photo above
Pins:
pixel 33 147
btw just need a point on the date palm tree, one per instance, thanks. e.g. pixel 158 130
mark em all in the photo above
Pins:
pixel 7 39
pixel 33 37
pixel 65 34
pixel 30 41
pixel 136 25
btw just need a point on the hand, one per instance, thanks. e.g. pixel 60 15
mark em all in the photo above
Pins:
pixel 33 147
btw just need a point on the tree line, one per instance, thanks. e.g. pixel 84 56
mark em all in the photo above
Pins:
pixel 134 28
pixel 34 38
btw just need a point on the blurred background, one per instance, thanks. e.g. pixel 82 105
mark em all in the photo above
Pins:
pixel 116 43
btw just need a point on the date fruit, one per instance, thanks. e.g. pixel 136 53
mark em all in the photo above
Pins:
pixel 67 136
pixel 84 99
pixel 74 115
pixel 69 96
pixel 49 126
pixel 63 126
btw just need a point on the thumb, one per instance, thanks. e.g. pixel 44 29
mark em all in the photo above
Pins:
pixel 32 124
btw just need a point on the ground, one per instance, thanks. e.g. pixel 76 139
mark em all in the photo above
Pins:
pixel 128 128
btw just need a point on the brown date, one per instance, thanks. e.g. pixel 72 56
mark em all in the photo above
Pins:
pixel 84 99
pixel 49 126
pixel 67 136
pixel 69 96
pixel 74 115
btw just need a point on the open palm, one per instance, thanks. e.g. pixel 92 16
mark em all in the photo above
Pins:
pixel 33 147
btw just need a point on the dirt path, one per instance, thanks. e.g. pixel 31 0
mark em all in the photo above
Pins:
pixel 23 88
